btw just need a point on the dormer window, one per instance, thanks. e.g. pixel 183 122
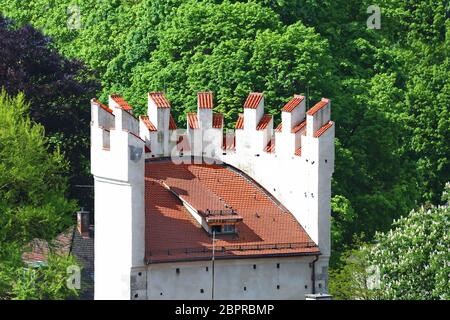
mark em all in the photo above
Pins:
pixel 223 229
pixel 216 216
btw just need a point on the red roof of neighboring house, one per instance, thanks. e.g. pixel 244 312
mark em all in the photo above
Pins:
pixel 205 100
pixel 38 249
pixel 319 105
pixel 173 234
pixel 121 102
pixel 293 103
pixel 264 122
pixel 323 129
pixel 148 123
pixel 240 122
pixel 217 121
pixel 253 100
pixel 160 99
pixel 106 108
pixel 172 124
pixel 298 152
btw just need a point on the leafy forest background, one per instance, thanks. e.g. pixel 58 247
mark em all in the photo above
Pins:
pixel 389 88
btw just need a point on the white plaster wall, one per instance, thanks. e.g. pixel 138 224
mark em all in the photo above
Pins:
pixel 253 116
pixel 204 118
pixel 101 117
pixel 231 276
pixel 119 212
pixel 113 245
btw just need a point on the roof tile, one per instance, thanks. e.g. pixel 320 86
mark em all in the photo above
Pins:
pixel 323 129
pixel 319 105
pixel 172 233
pixel 205 100
pixel 253 100
pixel 240 122
pixel 160 99
pixel 264 122
pixel 121 102
pixel 293 103
pixel 148 123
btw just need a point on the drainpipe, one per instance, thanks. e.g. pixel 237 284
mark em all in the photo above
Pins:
pixel 313 275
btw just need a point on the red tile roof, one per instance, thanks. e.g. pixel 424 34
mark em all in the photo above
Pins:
pixel 270 148
pixel 293 103
pixel 323 129
pixel 279 127
pixel 298 152
pixel 264 122
pixel 172 124
pixel 172 233
pixel 38 249
pixel 121 102
pixel 296 129
pixel 253 100
pixel 217 121
pixel 205 100
pixel 192 120
pixel 299 127
pixel 148 123
pixel 229 142
pixel 319 105
pixel 160 99
pixel 103 106
pixel 240 122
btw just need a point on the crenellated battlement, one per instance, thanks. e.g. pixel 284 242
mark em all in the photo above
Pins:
pixel 204 136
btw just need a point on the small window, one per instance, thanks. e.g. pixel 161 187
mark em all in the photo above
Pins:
pixel 306 286
pixel 228 228
pixel 207 269
pixel 254 266
pixel 326 160
pixel 278 266
pixel 140 274
pixel 278 287
pixel 136 295
pixel 178 270
pixel 202 291
pixel 216 229
pixel 245 288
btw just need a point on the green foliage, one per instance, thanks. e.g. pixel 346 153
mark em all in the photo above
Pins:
pixel 47 282
pixel 32 200
pixel 351 281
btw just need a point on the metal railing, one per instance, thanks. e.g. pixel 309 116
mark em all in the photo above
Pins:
pixel 223 250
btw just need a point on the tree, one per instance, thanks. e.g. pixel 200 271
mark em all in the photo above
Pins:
pixel 409 262
pixel 232 49
pixel 413 257
pixel 33 200
pixel 59 91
